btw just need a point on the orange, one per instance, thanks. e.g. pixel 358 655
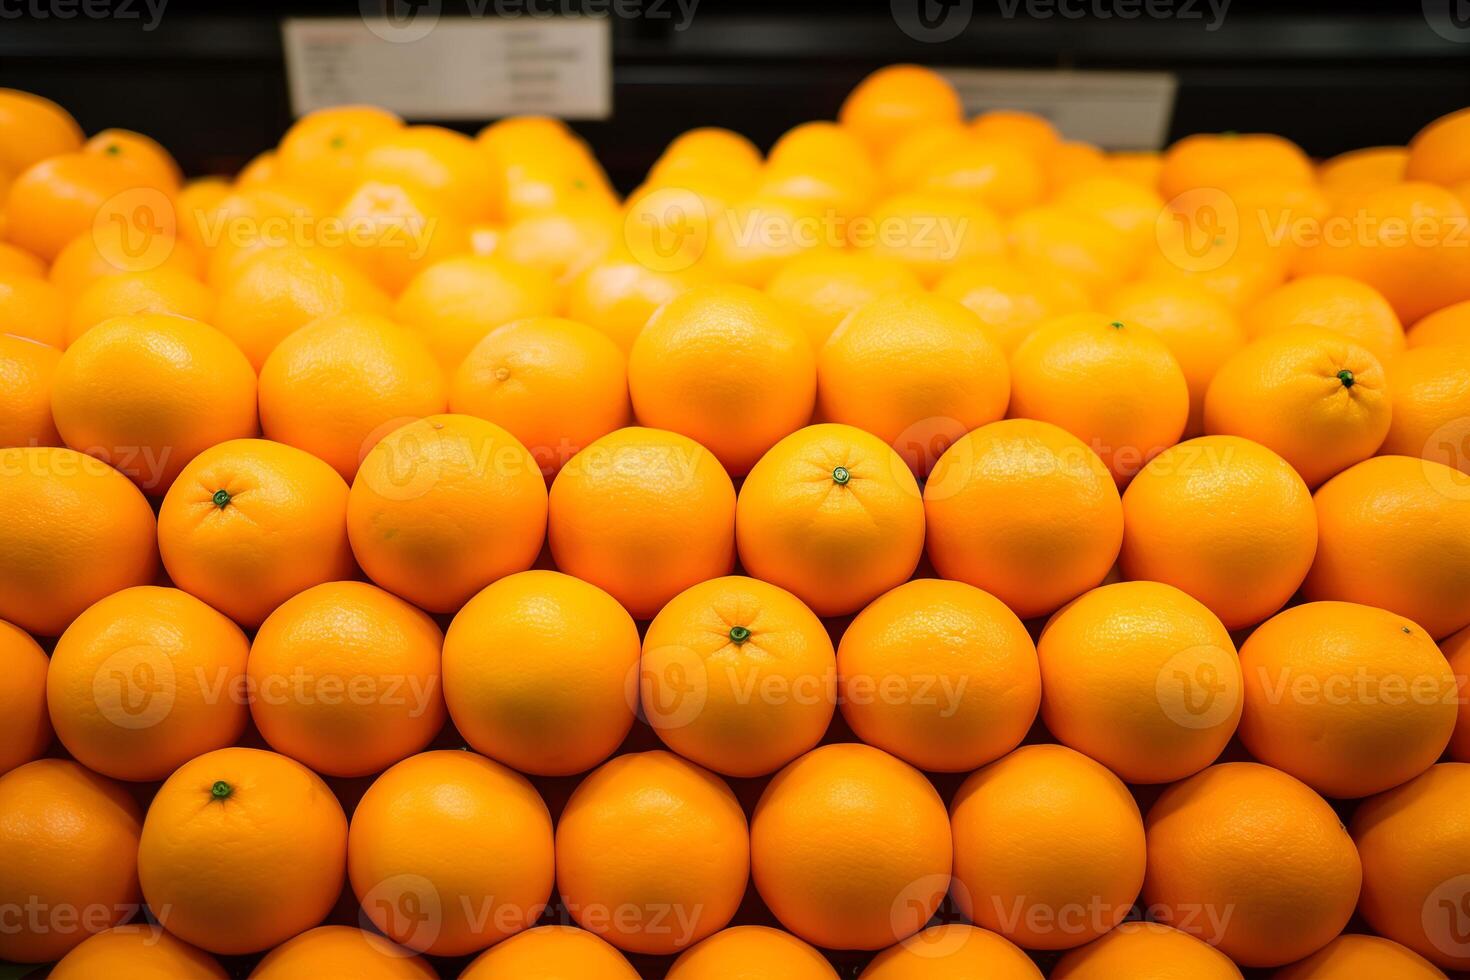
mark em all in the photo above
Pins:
pixel 33 128
pixel 1447 326
pixel 821 163
pixel 281 289
pixel 1415 845
pixel 75 530
pixel 1225 160
pixel 1351 956
pixel 1140 166
pixel 1395 533
pixel 930 233
pixel 1025 511
pixel 727 367
pixel 708 147
pixel 1113 385
pixel 437 162
pixel 59 198
pixel 958 950
pixel 833 515
pixel 344 677
pixel 989 172
pixel 16 261
pixel 1437 152
pixel 27 372
pixel 1430 389
pixel 821 287
pixel 1408 241
pixel 1361 170
pixel 916 370
pixel 137 952
pixel 145 680
pixel 896 99
pixel 1251 861
pixel 252 220
pixel 444 506
pixel 69 845
pixel 339 384
pixel 25 726
pixel 250 523
pixel 1201 238
pixel 543 165
pixel 540 673
pixel 751 953
pixel 33 308
pixel 1225 520
pixel 550 953
pixel 652 853
pixel 144 155
pixel 643 514
pixel 277 844
pixel 850 848
pixel 1142 678
pixel 148 393
pixel 617 294
pixel 1335 303
pixel 392 233
pixel 1456 649
pixel 326 950
pixel 1072 161
pixel 1199 329
pixel 1048 848
pixel 1063 243
pixel 324 149
pixel 940 674
pixel 1032 133
pixel 1128 207
pixel 111 251
pixel 1317 399
pixel 1010 300
pixel 556 385
pixel 563 243
pixel 161 290
pixel 746 241
pixel 453 304
pixel 1350 699
pixel 450 852
pixel 901 162
pixel 738 675
pixel 1146 951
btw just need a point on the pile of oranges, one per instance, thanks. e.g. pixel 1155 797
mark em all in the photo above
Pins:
pixel 930 549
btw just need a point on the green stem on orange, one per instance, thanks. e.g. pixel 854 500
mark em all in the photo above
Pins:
pixel 221 790
pixel 739 634
pixel 841 475
pixel 1346 377
pixel 221 499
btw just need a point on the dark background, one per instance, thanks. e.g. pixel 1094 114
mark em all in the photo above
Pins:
pixel 209 81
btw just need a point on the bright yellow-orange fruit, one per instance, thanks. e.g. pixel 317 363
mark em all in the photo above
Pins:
pixel 108 251
pixel 355 638
pixel 1334 303
pixel 326 950
pixel 250 523
pixel 618 294
pixel 145 680
pixel 144 155
pixel 751 953
pixel 33 128
pixel 16 261
pixel 148 393
pixel 652 853
pixel 55 200
pixel 955 949
pixel 139 951
pixel 392 233
pixel 1035 134
pixel 1212 837
pixel 1437 152
pixel 1353 955
pixel 1318 400
pixel 940 674
pixel 916 370
pixel 1201 239
pixel 1113 385
pixel 27 370
pixel 820 288
pixel 1350 699
pixel 444 506
pixel 850 848
pixel 930 233
pixel 556 385
pixel 988 172
pixel 1415 844
pixel 1129 207
pixel 1010 300
pixel 1142 678
pixel 1225 160
pixel 833 515
pixel 643 514
pixel 1059 242
pixel 550 953
pixel 1225 520
pixel 25 725
pixel 161 290
pixel 1456 649
pixel 743 241
pixel 436 162
pixel 33 308
pixel 69 847
pixel 1395 533
pixel 1025 511
pixel 1447 326
pixel 1430 391
pixel 1048 848
pixel 341 383
pixel 1146 951
pixel 712 645
pixel 324 149
pixel 540 673
pixel 1366 169
pixel 820 163
pixel 453 304
pixel 450 852
pixel 896 99
pixel 75 530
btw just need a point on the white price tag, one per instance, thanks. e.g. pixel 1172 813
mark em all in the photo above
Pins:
pixel 1117 110
pixel 453 67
